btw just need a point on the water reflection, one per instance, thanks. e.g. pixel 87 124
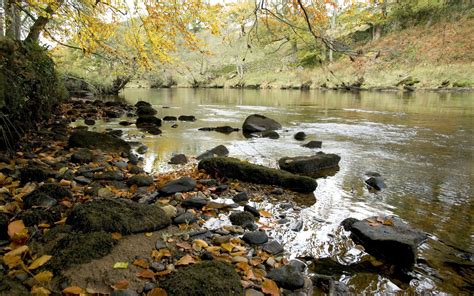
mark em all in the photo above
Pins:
pixel 421 143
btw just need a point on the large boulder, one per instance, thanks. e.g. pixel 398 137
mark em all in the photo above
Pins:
pixel 313 166
pixel 259 123
pixel 248 172
pixel 145 110
pixel 148 121
pixel 207 278
pixel 94 140
pixel 220 150
pixel 388 238
pixel 112 215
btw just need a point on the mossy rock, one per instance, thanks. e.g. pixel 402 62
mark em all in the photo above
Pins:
pixel 122 216
pixel 79 248
pixel 208 278
pixel 248 172
pixel 93 140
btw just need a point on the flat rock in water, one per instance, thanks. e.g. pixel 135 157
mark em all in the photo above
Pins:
pixel 376 183
pixel 183 184
pixel 300 136
pixel 170 118
pixel 259 123
pixel 258 237
pixel 287 277
pixel 117 215
pixel 206 278
pixel 220 150
pixel 178 159
pixel 187 118
pixel 93 140
pixel 388 238
pixel 148 121
pixel 247 172
pixel 313 144
pixel 313 166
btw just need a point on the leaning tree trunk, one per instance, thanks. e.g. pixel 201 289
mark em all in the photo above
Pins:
pixel 41 22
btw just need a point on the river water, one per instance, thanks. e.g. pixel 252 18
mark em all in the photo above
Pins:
pixel 421 143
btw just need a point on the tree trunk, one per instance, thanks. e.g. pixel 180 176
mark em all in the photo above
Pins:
pixel 41 22
pixel 333 26
pixel 376 32
pixel 2 20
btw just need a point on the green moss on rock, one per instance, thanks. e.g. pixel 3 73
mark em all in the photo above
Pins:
pixel 94 140
pixel 208 278
pixel 248 172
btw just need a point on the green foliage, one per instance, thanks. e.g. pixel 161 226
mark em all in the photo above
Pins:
pixel 309 59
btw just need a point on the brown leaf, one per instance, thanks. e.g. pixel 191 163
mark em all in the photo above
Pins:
pixel 73 290
pixel 120 285
pixel 184 245
pixel 17 232
pixel 116 235
pixel 186 260
pixel 270 287
pixel 141 263
pixel 40 291
pixel 146 274
pixel 157 292
pixel 39 262
pixel 388 222
pixel 265 214
pixel 158 255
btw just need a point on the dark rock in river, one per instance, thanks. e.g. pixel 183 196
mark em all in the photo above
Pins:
pixel 84 155
pixel 287 277
pixel 115 133
pixel 148 121
pixel 89 121
pixel 273 247
pixel 117 215
pixel 376 183
pixel 247 172
pixel 259 123
pixel 187 118
pixel 140 180
pixel 252 211
pixel 300 136
pixel 207 278
pixel 170 118
pixel 145 110
pixel 194 202
pixel 93 140
pixel 109 176
pixel 241 197
pixel 313 166
pixel 243 219
pixel 221 129
pixel 388 238
pixel 153 130
pixel 269 134
pixel 142 104
pixel 125 123
pixel 178 159
pixel 182 184
pixel 258 237
pixel 185 218
pixel 313 144
pixel 220 150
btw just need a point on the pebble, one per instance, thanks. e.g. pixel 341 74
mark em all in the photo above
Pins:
pixel 252 211
pixel 273 247
pixel 194 202
pixel 297 226
pixel 271 261
pixel 277 191
pixel 170 211
pixel 160 244
pixel 252 292
pixel 157 266
pixel 149 286
pixel 208 182
pixel 239 259
pixel 255 237
pixel 241 197
pixel 105 193
pixel 82 180
pixel 126 292
pixel 185 218
pixel 287 277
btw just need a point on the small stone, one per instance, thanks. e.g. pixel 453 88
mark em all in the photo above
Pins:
pixel 149 286
pixel 194 202
pixel 252 211
pixel 298 264
pixel 182 184
pixel 120 164
pixel 313 144
pixel 376 183
pixel 243 219
pixel 208 182
pixel 221 239
pixel 109 176
pixel 39 199
pixel 255 237
pixel 170 211
pixel 187 118
pixel 160 244
pixel 178 159
pixel 277 191
pixel 241 197
pixel 287 277
pixel 140 180
pixel 252 292
pixel 105 193
pixel 126 292
pixel 271 261
pixel 273 247
pixel 185 218
pixel 82 156
pixel 157 266
pixel 297 226
pixel 89 121
pixel 207 256
pixel 142 149
pixel 300 136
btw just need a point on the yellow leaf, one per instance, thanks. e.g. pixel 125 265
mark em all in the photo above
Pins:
pixel 270 287
pixel 116 235
pixel 18 251
pixel 61 222
pixel 40 291
pixel 17 231
pixel 148 234
pixel 39 262
pixel 44 276
pixel 121 265
pixel 200 243
pixel 228 247
pixel 186 260
pixel 265 214
pixel 75 290
pixel 12 261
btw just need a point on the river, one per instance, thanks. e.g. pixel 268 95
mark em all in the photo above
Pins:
pixel 421 143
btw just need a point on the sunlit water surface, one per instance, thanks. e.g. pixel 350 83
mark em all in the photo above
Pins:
pixel 422 144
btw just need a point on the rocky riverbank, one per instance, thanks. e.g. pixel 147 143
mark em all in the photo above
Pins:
pixel 79 215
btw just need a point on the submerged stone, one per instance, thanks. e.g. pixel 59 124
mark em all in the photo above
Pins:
pixel 288 277
pixel 247 172
pixel 207 278
pixel 376 183
pixel 313 144
pixel 122 216
pixel 259 123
